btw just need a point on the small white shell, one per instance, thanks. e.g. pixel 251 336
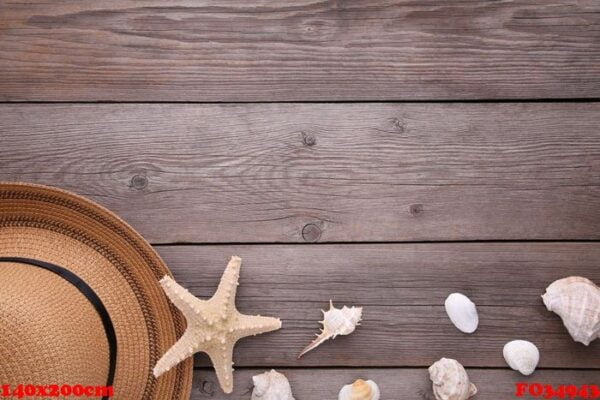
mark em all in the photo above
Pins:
pixel 577 301
pixel 336 321
pixel 360 390
pixel 522 356
pixel 450 380
pixel 462 312
pixel 271 386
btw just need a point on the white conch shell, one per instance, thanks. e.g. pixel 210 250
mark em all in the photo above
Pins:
pixel 450 380
pixel 271 385
pixel 462 312
pixel 335 322
pixel 577 301
pixel 360 390
pixel 522 356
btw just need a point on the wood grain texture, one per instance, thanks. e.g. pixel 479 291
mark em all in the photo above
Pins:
pixel 405 384
pixel 402 288
pixel 320 172
pixel 147 50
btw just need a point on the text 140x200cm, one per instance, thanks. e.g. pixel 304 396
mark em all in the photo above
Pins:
pixel 30 390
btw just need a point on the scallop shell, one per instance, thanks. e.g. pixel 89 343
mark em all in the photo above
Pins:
pixel 522 356
pixel 336 321
pixel 360 390
pixel 462 312
pixel 271 386
pixel 577 301
pixel 450 380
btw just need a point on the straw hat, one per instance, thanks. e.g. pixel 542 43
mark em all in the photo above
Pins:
pixel 80 302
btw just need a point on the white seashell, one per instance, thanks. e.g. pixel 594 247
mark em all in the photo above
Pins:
pixel 360 390
pixel 462 312
pixel 577 301
pixel 522 356
pixel 271 386
pixel 450 380
pixel 335 322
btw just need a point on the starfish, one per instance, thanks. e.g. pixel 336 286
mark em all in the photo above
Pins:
pixel 213 326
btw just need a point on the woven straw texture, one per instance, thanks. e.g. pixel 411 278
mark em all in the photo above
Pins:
pixel 58 338
pixel 50 337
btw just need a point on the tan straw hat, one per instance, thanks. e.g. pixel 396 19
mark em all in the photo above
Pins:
pixel 80 303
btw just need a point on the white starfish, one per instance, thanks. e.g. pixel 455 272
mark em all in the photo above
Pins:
pixel 213 326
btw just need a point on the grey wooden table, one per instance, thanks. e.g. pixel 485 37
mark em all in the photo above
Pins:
pixel 379 153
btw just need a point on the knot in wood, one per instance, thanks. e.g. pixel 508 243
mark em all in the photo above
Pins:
pixel 416 209
pixel 311 233
pixel 139 182
pixel 208 387
pixel 398 125
pixel 308 139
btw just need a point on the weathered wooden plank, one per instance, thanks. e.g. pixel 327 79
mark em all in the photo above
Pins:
pixel 320 172
pixel 146 50
pixel 405 384
pixel 402 288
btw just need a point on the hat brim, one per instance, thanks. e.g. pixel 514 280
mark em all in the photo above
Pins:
pixel 62 228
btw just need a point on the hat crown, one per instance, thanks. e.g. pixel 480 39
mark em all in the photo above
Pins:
pixel 50 333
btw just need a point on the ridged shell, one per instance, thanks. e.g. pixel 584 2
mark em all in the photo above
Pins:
pixel 577 301
pixel 271 385
pixel 336 321
pixel 360 390
pixel 462 312
pixel 522 356
pixel 450 380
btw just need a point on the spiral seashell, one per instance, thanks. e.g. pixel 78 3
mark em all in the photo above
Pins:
pixel 271 385
pixel 577 301
pixel 336 321
pixel 450 380
pixel 462 312
pixel 360 390
pixel 522 356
